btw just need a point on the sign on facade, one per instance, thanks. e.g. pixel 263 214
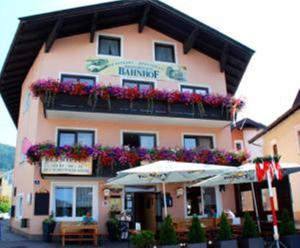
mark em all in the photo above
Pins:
pixel 136 69
pixel 54 167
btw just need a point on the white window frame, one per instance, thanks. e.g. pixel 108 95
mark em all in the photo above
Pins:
pixel 74 185
pixel 156 133
pixel 79 74
pixel 199 134
pixel 239 142
pixel 195 85
pixel 95 130
pixel 154 81
pixel 19 208
pixel 27 101
pixel 121 37
pixel 219 204
pixel 165 43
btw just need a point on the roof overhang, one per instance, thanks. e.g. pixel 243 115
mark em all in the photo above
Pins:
pixel 34 31
pixel 276 122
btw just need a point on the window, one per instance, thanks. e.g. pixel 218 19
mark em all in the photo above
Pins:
pixel 275 149
pixel 238 145
pixel 72 137
pixel 73 201
pixel 201 142
pixel 108 45
pixel 247 201
pixel 136 140
pixel 201 203
pixel 138 84
pixel 19 207
pixel 164 52
pixel 68 78
pixel 27 101
pixel 266 200
pixel 194 89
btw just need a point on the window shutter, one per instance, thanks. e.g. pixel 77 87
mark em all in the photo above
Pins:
pixel 41 204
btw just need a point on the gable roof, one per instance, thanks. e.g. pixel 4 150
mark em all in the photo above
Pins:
pixel 34 31
pixel 285 115
pixel 248 123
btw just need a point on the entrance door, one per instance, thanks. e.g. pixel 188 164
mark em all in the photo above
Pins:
pixel 145 210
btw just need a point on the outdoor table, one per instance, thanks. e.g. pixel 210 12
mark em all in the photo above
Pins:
pixel 79 230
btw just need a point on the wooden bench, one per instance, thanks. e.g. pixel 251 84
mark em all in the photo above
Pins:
pixel 70 231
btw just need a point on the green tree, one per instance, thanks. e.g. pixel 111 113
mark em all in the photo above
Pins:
pixel 4 204
pixel 167 232
pixel 7 155
pixel 287 226
pixel 249 227
pixel 196 233
pixel 143 240
pixel 225 232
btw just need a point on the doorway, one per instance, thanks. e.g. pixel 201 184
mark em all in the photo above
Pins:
pixel 145 210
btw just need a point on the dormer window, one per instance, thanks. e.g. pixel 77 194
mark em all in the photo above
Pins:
pixel 164 52
pixel 109 45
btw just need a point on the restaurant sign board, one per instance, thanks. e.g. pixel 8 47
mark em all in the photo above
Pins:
pixel 66 167
pixel 136 69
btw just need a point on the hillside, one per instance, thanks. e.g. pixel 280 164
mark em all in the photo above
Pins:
pixel 7 157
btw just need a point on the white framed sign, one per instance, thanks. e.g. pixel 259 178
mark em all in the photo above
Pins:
pixel 66 167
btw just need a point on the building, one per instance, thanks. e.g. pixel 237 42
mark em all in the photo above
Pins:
pixel 131 47
pixel 6 184
pixel 242 132
pixel 283 137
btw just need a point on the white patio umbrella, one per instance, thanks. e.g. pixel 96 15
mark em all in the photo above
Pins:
pixel 245 174
pixel 163 172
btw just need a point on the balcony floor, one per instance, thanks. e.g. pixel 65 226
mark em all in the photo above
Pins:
pixel 140 119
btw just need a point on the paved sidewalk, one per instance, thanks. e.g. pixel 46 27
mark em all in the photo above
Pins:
pixel 12 240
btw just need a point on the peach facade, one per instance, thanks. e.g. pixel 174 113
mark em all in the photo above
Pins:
pixel 286 136
pixel 68 55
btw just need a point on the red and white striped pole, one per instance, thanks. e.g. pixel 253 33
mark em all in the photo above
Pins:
pixel 274 217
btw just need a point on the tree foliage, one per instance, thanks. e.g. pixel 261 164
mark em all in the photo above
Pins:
pixel 196 233
pixel 287 226
pixel 4 204
pixel 7 157
pixel 167 232
pixel 225 232
pixel 249 227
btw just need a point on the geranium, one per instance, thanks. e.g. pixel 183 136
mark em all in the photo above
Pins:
pixel 48 88
pixel 109 156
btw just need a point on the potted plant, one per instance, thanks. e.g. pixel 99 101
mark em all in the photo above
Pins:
pixel 48 228
pixel 145 239
pixel 249 235
pixel 113 228
pixel 167 234
pixel 196 235
pixel 225 234
pixel 287 231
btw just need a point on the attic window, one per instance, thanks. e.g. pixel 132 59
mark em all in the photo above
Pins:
pixel 108 45
pixel 164 52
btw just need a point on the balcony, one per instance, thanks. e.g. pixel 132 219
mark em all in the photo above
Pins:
pixel 152 106
pixel 77 107
pixel 102 161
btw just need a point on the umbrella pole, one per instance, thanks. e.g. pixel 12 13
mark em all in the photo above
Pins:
pixel 274 217
pixel 165 198
pixel 255 207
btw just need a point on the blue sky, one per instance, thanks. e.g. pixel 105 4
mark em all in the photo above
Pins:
pixel 272 79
